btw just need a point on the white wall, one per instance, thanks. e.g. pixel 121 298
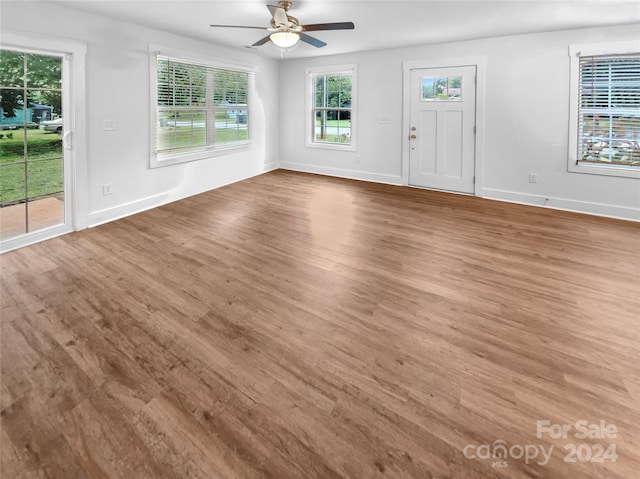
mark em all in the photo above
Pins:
pixel 117 82
pixel 526 120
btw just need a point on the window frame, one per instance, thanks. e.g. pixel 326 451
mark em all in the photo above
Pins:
pixel 575 53
pixel 209 150
pixel 311 74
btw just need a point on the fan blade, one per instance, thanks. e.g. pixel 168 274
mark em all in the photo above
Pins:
pixel 279 15
pixel 238 26
pixel 328 26
pixel 262 41
pixel 311 40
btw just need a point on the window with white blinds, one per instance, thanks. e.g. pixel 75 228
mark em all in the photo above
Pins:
pixel 199 108
pixel 609 111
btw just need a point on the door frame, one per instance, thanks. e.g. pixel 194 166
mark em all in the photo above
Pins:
pixel 480 63
pixel 73 54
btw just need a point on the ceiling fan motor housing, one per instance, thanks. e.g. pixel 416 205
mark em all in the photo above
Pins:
pixel 293 25
pixel 282 24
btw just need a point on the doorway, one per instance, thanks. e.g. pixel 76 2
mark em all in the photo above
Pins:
pixel 442 128
pixel 36 155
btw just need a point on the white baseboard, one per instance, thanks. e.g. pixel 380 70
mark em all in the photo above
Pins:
pixel 564 204
pixel 343 173
pixel 597 209
pixel 111 214
pixel 270 167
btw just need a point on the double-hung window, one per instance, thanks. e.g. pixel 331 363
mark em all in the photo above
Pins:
pixel 200 110
pixel 605 133
pixel 331 100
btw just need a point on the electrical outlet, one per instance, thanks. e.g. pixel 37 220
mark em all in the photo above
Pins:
pixel 106 189
pixel 533 177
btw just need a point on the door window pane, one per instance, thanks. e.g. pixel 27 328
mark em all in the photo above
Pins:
pixel 44 106
pixel 12 183
pixel 44 177
pixel 442 89
pixel 45 212
pixel 11 108
pixel 44 72
pixel 31 153
pixel 12 71
pixel 11 145
pixel 12 220
pixel 43 144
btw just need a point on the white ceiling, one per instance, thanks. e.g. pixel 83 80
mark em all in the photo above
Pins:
pixel 378 24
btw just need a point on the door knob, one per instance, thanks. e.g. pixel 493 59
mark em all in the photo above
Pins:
pixel 413 137
pixel 413 128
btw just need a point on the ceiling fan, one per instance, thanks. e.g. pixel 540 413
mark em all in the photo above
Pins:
pixel 287 31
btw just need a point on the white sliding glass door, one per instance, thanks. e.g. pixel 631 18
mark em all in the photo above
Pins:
pixel 38 164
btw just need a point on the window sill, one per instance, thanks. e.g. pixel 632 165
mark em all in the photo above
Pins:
pixel 158 161
pixel 331 146
pixel 605 170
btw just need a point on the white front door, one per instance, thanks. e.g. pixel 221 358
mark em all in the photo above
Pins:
pixel 442 128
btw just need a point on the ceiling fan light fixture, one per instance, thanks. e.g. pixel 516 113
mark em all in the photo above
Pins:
pixel 284 39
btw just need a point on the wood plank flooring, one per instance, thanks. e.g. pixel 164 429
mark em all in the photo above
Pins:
pixel 299 326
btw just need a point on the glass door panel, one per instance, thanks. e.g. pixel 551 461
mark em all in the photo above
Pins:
pixel 31 151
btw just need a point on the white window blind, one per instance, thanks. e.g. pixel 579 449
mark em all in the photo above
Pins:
pixel 200 107
pixel 609 111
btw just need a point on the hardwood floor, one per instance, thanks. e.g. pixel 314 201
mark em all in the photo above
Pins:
pixel 299 326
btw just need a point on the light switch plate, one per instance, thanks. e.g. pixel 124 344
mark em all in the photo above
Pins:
pixel 384 119
pixel 109 125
